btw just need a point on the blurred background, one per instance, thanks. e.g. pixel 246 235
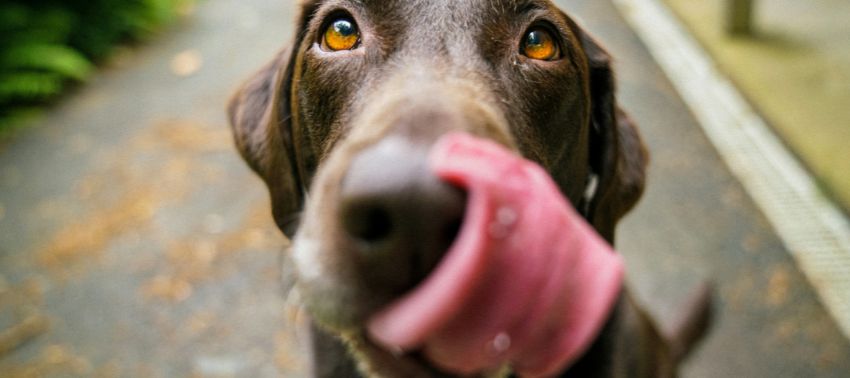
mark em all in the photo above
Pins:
pixel 135 242
pixel 791 59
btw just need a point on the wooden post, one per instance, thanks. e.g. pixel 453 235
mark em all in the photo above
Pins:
pixel 739 17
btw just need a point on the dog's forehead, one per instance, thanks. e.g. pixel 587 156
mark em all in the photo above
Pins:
pixel 453 13
pixel 447 27
pixel 467 11
pixel 456 8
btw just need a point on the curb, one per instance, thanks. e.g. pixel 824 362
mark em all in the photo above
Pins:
pixel 813 229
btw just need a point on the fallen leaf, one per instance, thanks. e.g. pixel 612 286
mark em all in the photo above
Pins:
pixel 187 63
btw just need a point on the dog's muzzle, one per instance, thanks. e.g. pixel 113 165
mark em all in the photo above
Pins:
pixel 397 217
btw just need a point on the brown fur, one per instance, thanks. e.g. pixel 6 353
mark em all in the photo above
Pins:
pixel 426 68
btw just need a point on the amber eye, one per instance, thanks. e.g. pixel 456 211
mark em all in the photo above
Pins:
pixel 341 34
pixel 539 44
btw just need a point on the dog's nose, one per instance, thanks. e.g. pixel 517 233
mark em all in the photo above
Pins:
pixel 398 217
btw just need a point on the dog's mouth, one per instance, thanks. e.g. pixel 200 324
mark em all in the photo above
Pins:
pixel 527 282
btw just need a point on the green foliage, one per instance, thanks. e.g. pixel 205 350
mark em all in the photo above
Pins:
pixel 47 45
pixel 52 58
pixel 30 86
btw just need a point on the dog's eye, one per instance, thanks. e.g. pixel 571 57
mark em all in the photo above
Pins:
pixel 539 44
pixel 341 34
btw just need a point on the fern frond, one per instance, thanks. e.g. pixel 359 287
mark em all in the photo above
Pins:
pixel 60 59
pixel 29 86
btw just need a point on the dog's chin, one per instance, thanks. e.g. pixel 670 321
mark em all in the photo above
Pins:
pixel 374 361
pixel 344 313
pixel 348 324
pixel 339 310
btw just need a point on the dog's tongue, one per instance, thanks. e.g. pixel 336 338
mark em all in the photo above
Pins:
pixel 527 282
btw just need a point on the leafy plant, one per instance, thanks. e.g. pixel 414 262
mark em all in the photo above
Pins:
pixel 48 45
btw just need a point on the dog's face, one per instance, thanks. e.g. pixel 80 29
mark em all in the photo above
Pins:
pixel 508 70
pixel 340 123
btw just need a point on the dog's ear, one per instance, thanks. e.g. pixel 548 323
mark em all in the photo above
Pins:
pixel 618 157
pixel 260 117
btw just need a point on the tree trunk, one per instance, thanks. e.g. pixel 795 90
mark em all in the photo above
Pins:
pixel 739 17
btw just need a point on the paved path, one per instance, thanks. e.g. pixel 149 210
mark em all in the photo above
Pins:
pixel 133 242
pixel 696 221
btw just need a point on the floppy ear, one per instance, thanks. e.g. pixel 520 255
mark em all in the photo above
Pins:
pixel 260 117
pixel 617 155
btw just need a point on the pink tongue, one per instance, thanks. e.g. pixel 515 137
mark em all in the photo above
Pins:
pixel 528 281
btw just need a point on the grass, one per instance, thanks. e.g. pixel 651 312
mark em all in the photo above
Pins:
pixel 795 69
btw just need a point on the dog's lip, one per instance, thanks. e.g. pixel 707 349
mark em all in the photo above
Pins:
pixel 420 358
pixel 541 313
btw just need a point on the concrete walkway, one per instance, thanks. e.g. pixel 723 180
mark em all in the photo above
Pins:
pixel 134 228
pixel 134 242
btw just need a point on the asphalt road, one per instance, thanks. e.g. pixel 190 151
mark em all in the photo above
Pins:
pixel 134 242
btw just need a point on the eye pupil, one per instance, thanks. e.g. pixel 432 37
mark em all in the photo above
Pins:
pixel 344 28
pixel 539 44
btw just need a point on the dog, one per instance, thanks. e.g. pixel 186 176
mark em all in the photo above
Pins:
pixel 338 125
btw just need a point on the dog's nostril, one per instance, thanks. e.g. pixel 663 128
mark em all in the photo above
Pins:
pixel 368 223
pixel 444 237
pixel 451 230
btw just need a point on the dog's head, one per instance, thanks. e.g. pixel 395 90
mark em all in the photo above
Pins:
pixel 339 125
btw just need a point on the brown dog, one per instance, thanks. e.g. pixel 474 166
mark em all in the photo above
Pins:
pixel 339 125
